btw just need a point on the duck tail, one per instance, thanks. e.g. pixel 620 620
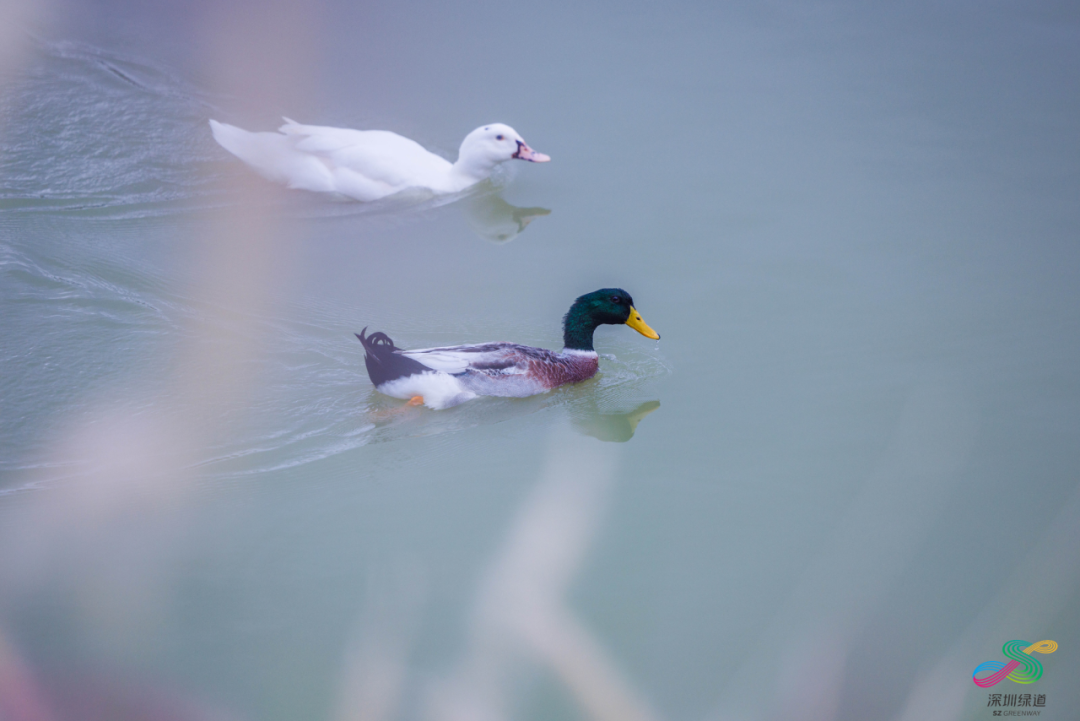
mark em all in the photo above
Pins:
pixel 241 143
pixel 384 362
pixel 291 127
pixel 377 342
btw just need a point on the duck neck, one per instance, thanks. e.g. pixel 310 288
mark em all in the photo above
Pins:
pixel 474 163
pixel 471 169
pixel 578 327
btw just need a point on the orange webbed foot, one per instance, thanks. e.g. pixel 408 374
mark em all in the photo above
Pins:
pixel 415 401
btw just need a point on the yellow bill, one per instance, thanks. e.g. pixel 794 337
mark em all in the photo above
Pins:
pixel 635 322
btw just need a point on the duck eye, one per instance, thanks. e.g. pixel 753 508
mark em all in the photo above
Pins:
pixel 499 137
pixel 616 299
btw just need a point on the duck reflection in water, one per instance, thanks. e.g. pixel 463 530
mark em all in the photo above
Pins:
pixel 611 427
pixel 492 218
pixel 585 416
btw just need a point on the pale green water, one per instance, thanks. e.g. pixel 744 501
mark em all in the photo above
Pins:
pixel 855 229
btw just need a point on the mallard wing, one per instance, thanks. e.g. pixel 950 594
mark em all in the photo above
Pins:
pixel 505 369
pixel 491 369
pixel 491 359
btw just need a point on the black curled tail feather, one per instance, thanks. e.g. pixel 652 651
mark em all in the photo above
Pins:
pixel 384 362
pixel 377 338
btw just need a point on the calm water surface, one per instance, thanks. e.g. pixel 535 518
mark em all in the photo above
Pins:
pixel 843 479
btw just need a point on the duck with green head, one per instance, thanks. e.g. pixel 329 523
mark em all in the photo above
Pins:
pixel 444 377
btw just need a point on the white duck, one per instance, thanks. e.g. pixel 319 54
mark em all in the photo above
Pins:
pixel 369 164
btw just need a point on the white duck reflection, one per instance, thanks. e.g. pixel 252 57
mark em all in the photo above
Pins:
pixel 492 218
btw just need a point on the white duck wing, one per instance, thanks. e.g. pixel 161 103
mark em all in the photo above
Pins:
pixel 501 358
pixel 274 157
pixel 377 155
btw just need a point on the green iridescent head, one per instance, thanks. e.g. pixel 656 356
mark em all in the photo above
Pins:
pixel 607 306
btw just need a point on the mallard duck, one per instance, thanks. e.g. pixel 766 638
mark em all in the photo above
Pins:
pixel 369 164
pixel 444 377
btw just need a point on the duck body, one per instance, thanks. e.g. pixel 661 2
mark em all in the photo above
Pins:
pixel 369 164
pixel 444 377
